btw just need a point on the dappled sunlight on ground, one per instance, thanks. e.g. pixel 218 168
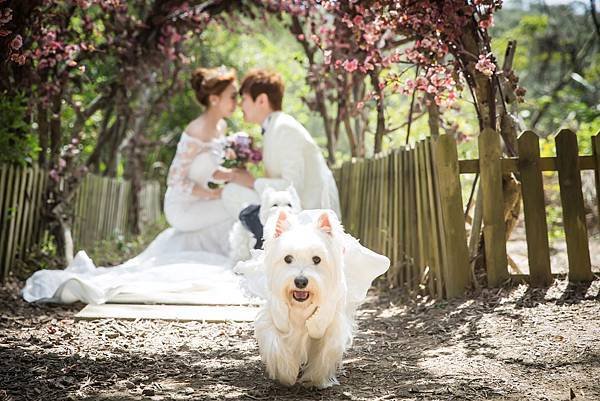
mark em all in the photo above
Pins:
pixel 518 343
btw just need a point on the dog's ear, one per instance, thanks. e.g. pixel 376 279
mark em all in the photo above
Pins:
pixel 324 223
pixel 282 223
pixel 292 191
pixel 267 192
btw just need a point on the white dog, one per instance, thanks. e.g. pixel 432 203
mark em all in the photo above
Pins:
pixel 308 320
pixel 241 241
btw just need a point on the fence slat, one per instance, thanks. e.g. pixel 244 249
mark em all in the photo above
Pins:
pixel 4 196
pixel 536 227
pixel 596 151
pixel 425 240
pixel 38 226
pixel 14 214
pixel 24 206
pixel 384 211
pixel 34 205
pixel 403 229
pixel 435 222
pixel 456 271
pixel 411 219
pixel 569 179
pixel 493 207
pixel 418 218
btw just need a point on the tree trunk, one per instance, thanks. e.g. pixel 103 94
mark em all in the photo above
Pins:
pixel 55 131
pixel 351 138
pixel 381 129
pixel 43 135
pixel 484 93
pixel 433 113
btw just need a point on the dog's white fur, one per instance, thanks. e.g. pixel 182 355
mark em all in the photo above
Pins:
pixel 241 241
pixel 310 336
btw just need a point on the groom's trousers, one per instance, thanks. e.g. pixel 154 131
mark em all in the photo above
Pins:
pixel 249 216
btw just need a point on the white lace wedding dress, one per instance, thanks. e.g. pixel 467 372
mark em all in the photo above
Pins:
pixel 187 258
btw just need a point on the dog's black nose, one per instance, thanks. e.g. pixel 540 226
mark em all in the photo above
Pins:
pixel 301 282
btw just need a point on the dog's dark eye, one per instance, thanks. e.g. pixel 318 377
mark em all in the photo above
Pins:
pixel 288 259
pixel 289 205
pixel 275 205
pixel 316 260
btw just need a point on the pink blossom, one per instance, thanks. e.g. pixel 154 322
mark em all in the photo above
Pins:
pixel 487 22
pixel 300 37
pixel 6 16
pixel 350 65
pixel 18 58
pixel 17 42
pixel 84 4
pixel 54 175
pixel 485 65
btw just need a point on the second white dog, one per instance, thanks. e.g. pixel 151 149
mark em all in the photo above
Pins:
pixel 241 241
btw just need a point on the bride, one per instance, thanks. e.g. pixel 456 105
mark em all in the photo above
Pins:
pixel 191 254
pixel 190 206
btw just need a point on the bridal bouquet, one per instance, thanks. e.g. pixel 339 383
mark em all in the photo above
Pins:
pixel 239 151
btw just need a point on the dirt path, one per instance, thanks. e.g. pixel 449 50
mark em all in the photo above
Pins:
pixel 517 344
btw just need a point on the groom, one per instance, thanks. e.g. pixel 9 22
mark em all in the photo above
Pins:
pixel 290 154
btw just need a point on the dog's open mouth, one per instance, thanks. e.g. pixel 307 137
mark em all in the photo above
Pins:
pixel 300 296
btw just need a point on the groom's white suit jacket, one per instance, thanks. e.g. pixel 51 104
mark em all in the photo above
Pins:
pixel 291 156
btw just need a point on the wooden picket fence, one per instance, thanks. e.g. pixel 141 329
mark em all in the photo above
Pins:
pixel 101 208
pixel 407 204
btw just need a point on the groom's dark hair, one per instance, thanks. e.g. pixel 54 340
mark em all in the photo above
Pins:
pixel 262 81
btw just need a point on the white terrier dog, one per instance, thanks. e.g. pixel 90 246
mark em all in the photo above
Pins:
pixel 308 320
pixel 242 241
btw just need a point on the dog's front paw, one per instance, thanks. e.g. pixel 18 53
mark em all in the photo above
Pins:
pixel 314 325
pixel 320 383
pixel 280 315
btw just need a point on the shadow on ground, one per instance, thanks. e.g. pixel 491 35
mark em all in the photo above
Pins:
pixel 515 343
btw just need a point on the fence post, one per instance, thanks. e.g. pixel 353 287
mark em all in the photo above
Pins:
pixel 536 227
pixel 493 207
pixel 569 179
pixel 456 272
pixel 435 228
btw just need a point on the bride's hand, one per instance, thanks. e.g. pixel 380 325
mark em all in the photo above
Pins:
pixel 207 194
pixel 215 194
pixel 223 174
pixel 243 177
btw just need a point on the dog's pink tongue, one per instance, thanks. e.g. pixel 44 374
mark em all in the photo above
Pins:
pixel 301 295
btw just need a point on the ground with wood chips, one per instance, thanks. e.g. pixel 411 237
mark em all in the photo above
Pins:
pixel 512 344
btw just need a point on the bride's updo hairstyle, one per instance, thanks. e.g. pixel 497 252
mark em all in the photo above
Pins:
pixel 211 81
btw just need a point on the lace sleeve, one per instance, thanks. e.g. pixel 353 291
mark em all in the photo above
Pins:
pixel 187 150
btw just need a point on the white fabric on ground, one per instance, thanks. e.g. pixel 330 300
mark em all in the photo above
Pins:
pixel 169 265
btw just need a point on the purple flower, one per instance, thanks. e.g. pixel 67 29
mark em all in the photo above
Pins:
pixel 243 140
pixel 256 156
pixel 239 150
